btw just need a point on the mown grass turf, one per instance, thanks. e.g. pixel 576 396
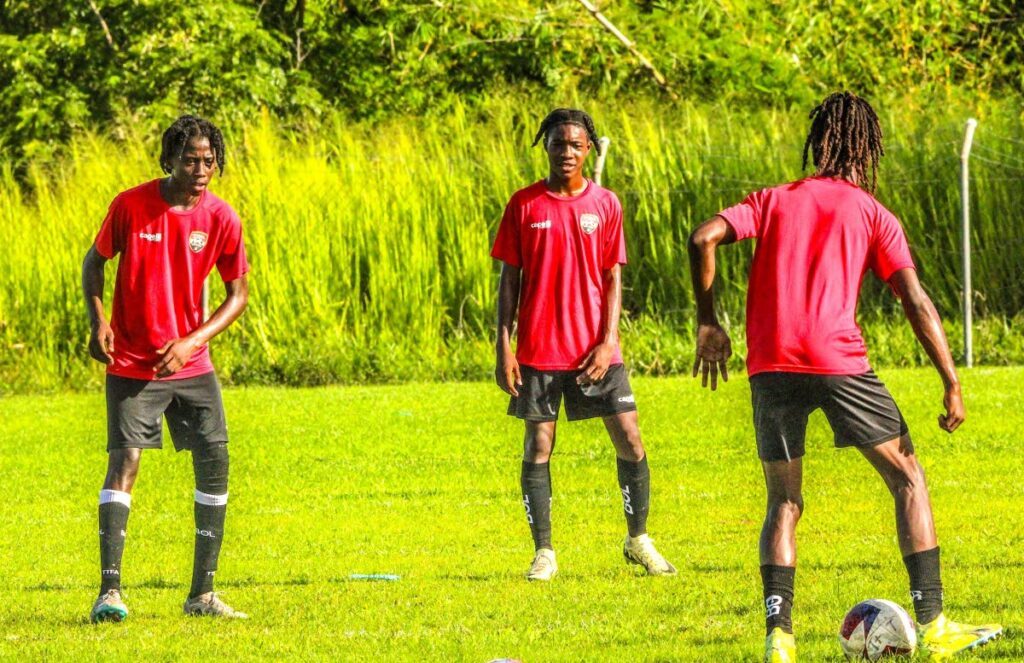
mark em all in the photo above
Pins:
pixel 421 480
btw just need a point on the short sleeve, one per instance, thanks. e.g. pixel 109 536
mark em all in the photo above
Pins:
pixel 889 251
pixel 745 218
pixel 232 262
pixel 110 240
pixel 614 252
pixel 506 244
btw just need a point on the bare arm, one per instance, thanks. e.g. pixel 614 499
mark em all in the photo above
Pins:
pixel 506 371
pixel 596 364
pixel 928 328
pixel 101 336
pixel 177 352
pixel 713 345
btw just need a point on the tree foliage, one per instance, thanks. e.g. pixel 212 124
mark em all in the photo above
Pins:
pixel 68 64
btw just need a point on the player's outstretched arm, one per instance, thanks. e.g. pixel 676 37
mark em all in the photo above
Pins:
pixel 506 370
pixel 596 363
pixel 928 328
pixel 101 336
pixel 713 345
pixel 176 352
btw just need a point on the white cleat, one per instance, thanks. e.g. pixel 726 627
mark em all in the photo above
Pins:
pixel 544 566
pixel 640 550
pixel 210 605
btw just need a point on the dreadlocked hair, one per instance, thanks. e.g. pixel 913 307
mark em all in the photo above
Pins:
pixel 568 116
pixel 845 139
pixel 184 129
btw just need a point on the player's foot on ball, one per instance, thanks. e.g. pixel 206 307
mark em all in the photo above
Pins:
pixel 108 608
pixel 943 638
pixel 640 550
pixel 544 566
pixel 210 605
pixel 779 647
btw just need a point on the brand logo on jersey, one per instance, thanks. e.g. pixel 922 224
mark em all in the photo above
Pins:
pixel 627 399
pixel 152 237
pixel 589 222
pixel 197 241
pixel 541 225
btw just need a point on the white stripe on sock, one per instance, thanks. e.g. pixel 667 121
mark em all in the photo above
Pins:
pixel 211 500
pixel 107 496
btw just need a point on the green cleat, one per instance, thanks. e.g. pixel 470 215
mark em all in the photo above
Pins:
pixel 210 605
pixel 640 550
pixel 544 567
pixel 108 608
pixel 779 647
pixel 944 639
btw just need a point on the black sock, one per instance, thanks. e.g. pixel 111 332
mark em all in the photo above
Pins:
pixel 635 484
pixel 925 584
pixel 778 596
pixel 211 469
pixel 535 481
pixel 114 508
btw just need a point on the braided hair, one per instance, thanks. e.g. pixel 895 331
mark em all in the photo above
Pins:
pixel 561 116
pixel 184 129
pixel 845 139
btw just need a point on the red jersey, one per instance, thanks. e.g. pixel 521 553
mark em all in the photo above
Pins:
pixel 815 240
pixel 165 257
pixel 563 246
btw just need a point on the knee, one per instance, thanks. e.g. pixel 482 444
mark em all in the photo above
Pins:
pixel 211 469
pixel 122 469
pixel 633 449
pixel 785 507
pixel 537 446
pixel 906 478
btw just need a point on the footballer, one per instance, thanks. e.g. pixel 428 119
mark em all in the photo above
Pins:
pixel 816 238
pixel 562 248
pixel 169 234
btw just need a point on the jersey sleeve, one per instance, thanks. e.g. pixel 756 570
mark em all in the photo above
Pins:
pixel 232 262
pixel 506 243
pixel 745 218
pixel 615 237
pixel 111 240
pixel 889 251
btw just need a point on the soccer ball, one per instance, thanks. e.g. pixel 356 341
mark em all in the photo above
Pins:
pixel 877 628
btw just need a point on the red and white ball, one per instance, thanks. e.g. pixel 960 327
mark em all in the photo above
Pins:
pixel 877 628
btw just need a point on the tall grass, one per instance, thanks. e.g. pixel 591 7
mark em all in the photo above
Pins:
pixel 369 243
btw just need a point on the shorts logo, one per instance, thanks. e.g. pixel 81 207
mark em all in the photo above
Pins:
pixel 589 223
pixel 541 225
pixel 151 237
pixel 197 241
pixel 627 399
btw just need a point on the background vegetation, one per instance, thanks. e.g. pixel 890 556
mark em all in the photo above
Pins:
pixel 374 144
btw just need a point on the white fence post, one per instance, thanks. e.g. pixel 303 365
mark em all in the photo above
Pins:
pixel 965 229
pixel 603 142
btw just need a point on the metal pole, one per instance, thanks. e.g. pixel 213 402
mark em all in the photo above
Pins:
pixel 965 230
pixel 603 142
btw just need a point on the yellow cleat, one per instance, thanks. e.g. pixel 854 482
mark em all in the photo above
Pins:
pixel 944 639
pixel 779 647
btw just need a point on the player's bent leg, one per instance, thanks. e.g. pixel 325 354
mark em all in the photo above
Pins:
pixel 784 483
pixel 535 482
pixel 904 477
pixel 115 502
pixel 635 485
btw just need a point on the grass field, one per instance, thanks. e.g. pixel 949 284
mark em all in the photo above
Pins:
pixel 421 480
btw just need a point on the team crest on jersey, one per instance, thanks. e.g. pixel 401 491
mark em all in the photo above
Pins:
pixel 588 222
pixel 197 241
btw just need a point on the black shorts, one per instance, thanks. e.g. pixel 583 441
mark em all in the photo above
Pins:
pixel 859 409
pixel 193 407
pixel 541 395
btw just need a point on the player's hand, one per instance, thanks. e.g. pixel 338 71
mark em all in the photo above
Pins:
pixel 174 355
pixel 507 374
pixel 101 343
pixel 954 404
pixel 595 366
pixel 713 352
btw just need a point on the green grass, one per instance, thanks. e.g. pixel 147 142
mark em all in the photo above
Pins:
pixel 369 243
pixel 422 480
